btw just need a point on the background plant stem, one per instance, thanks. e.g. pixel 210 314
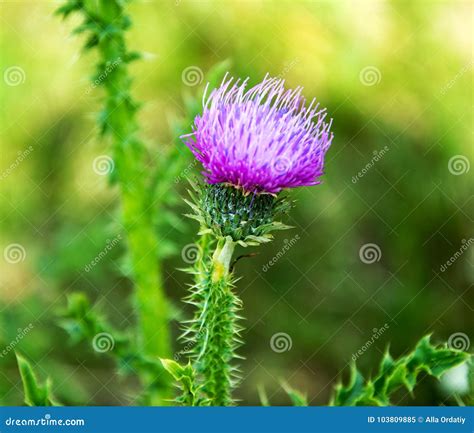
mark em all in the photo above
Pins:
pixel 107 23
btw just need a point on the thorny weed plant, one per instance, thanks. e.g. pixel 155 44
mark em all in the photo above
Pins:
pixel 104 25
pixel 254 145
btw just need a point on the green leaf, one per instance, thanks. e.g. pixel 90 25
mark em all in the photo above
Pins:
pixel 394 374
pixel 91 42
pixel 296 397
pixel 132 56
pixel 186 377
pixel 433 360
pixel 173 368
pixel 350 394
pixel 69 7
pixel 35 393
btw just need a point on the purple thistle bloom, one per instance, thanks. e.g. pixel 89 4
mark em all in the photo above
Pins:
pixel 263 139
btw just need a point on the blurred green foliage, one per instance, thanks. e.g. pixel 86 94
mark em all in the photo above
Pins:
pixel 318 292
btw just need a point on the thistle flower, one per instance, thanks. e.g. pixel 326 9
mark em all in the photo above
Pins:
pixel 252 144
pixel 262 139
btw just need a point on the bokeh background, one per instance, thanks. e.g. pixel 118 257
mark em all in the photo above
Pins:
pixel 396 77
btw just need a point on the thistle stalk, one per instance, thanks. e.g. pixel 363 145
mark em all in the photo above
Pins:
pixel 213 334
pixel 228 217
pixel 220 338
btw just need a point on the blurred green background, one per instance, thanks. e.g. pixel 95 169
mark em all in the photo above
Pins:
pixel 396 77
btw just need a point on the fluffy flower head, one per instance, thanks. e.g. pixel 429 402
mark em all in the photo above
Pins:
pixel 262 139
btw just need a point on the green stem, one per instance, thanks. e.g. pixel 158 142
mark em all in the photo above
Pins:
pixel 205 245
pixel 106 23
pixel 229 216
pixel 219 333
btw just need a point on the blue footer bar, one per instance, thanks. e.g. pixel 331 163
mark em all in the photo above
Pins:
pixel 236 419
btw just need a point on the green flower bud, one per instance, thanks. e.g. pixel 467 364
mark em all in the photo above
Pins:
pixel 247 218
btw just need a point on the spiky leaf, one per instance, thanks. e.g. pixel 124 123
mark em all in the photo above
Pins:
pixel 36 394
pixel 186 377
pixel 396 373
pixel 296 397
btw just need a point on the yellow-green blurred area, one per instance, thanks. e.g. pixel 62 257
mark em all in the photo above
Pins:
pixel 395 76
